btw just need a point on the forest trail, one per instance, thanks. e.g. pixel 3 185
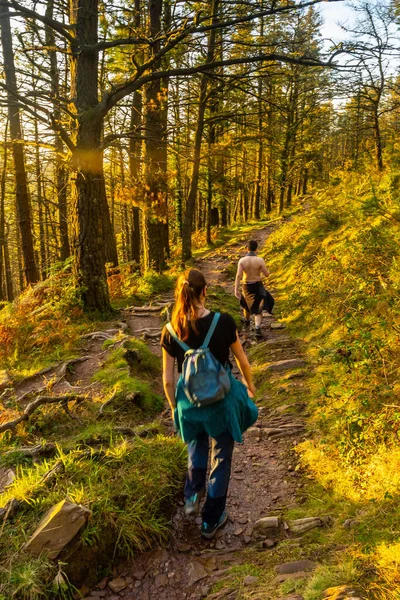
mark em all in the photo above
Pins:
pixel 264 482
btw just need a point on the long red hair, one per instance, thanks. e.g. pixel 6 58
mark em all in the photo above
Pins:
pixel 188 290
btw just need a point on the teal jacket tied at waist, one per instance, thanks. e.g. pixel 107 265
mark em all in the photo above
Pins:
pixel 234 414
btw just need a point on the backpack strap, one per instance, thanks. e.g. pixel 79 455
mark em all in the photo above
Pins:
pixel 211 331
pixel 184 346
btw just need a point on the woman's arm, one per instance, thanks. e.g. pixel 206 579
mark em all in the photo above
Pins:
pixel 168 378
pixel 243 364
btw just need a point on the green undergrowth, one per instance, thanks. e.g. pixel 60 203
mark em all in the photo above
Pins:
pixel 128 384
pixel 336 266
pixel 118 460
pixel 129 487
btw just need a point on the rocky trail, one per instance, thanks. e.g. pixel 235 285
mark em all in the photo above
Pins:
pixel 263 486
pixel 265 479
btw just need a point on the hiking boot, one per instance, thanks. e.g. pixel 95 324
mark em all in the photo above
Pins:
pixel 259 335
pixel 192 504
pixel 208 531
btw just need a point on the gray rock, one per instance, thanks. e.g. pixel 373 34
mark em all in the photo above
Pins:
pixel 117 585
pixel 286 365
pixel 268 543
pixel 161 580
pixel 349 523
pixel 7 476
pixel 250 580
pixel 57 528
pixel 277 325
pixel 295 567
pixel 196 572
pixel 266 524
pixel 254 432
pixel 139 575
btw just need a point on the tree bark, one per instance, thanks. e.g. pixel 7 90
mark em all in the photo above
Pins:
pixel 61 173
pixel 22 195
pixel 155 167
pixel 191 199
pixel 91 213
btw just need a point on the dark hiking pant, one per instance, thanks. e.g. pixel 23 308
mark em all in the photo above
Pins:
pixel 220 472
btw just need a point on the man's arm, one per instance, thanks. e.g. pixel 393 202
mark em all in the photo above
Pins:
pixel 238 279
pixel 264 269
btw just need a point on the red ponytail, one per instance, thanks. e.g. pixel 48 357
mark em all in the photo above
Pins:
pixel 188 290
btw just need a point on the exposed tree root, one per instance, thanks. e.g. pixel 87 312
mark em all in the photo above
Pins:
pixel 41 450
pixel 59 370
pixel 106 403
pixel 32 406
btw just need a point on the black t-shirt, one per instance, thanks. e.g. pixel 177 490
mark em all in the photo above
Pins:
pixel 222 338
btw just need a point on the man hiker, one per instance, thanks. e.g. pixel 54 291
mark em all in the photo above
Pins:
pixel 254 297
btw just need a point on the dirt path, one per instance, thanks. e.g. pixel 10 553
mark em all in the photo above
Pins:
pixel 263 481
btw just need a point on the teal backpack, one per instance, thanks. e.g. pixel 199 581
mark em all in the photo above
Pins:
pixel 204 379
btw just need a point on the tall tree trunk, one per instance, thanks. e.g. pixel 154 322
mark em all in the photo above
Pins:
pixel 191 199
pixel 61 173
pixel 3 285
pixel 260 149
pixel 22 196
pixel 39 198
pixel 134 171
pixel 88 189
pixel 134 159
pixel 154 248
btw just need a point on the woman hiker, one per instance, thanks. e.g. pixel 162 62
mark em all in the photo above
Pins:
pixel 192 328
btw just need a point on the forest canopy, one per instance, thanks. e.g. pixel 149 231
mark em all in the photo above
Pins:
pixel 128 126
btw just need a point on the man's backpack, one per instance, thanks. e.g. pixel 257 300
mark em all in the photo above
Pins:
pixel 205 380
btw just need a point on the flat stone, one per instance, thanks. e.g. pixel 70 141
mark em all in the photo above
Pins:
pixel 286 365
pixel 117 585
pixel 219 545
pixel 57 528
pixel 250 580
pixel 7 476
pixel 161 580
pixel 196 572
pixel 242 520
pixel 99 594
pixel 254 432
pixel 268 543
pixel 266 524
pixel 295 567
pixel 205 590
pixel 277 325
pixel 183 547
pixel 247 539
pixel 238 531
pixel 139 575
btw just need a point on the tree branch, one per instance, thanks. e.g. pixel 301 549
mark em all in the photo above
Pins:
pixel 111 98
pixel 31 14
